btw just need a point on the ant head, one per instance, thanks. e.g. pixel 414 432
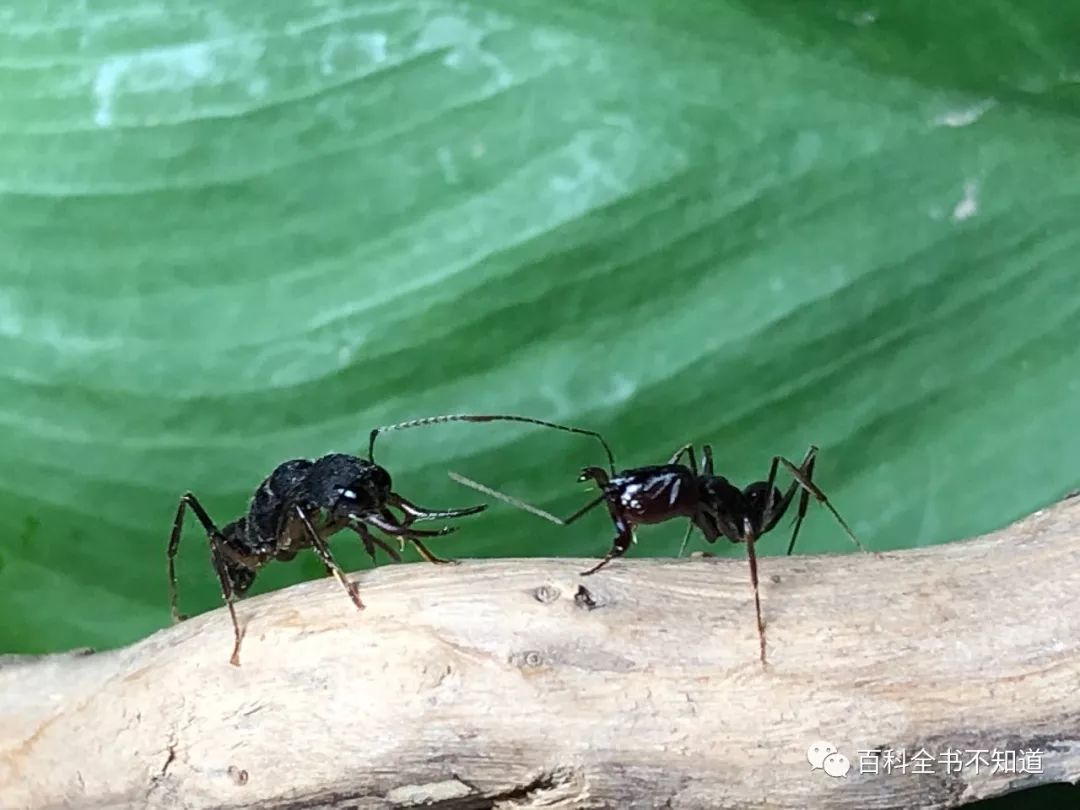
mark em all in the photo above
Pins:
pixel 597 474
pixel 363 491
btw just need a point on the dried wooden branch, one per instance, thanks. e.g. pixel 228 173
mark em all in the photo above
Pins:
pixel 516 683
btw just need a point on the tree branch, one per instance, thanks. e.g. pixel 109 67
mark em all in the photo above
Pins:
pixel 517 683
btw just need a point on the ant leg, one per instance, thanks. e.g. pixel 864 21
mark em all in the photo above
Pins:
pixel 706 452
pixel 386 521
pixel 414 512
pixel 370 541
pixel 425 552
pixel 757 598
pixel 773 509
pixel 327 558
pixel 686 538
pixel 174 546
pixel 526 507
pixel 712 526
pixel 706 470
pixel 688 451
pixel 216 540
pixel 808 485
pixel 389 524
pixel 585 509
pixel 804 499
pixel 619 547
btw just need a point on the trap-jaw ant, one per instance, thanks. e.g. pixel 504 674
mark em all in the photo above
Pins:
pixel 299 505
pixel 715 506
pixel 302 503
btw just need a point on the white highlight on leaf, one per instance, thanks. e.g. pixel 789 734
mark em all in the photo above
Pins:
pixel 464 39
pixel 621 389
pixel 965 117
pixel 12 321
pixel 19 319
pixel 969 205
pixel 806 150
pixel 258 86
pixel 175 69
pixel 602 160
pixel 859 19
pixel 347 52
pixel 159 69
pixel 448 166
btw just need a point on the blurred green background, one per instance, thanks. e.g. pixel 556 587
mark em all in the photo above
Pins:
pixel 239 232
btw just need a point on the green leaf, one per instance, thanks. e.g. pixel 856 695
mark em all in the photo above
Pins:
pixel 236 233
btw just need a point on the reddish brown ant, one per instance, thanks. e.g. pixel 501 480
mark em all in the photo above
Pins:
pixel 658 493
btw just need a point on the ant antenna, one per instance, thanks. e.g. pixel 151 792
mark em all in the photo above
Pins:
pixel 460 417
pixel 528 507
pixel 509 499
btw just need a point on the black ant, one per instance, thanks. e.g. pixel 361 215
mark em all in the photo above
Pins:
pixel 302 503
pixel 658 493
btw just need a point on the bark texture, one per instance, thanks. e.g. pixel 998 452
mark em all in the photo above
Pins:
pixel 517 683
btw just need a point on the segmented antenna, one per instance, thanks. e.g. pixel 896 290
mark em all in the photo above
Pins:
pixel 509 499
pixel 528 507
pixel 461 417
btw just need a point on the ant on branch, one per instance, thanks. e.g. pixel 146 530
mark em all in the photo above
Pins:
pixel 715 506
pixel 302 503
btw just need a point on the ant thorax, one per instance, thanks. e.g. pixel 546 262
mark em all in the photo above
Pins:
pixel 654 494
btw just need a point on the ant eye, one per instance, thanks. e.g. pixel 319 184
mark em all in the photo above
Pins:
pixel 348 494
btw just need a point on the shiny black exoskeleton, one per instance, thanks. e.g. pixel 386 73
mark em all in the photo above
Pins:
pixel 715 506
pixel 299 506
